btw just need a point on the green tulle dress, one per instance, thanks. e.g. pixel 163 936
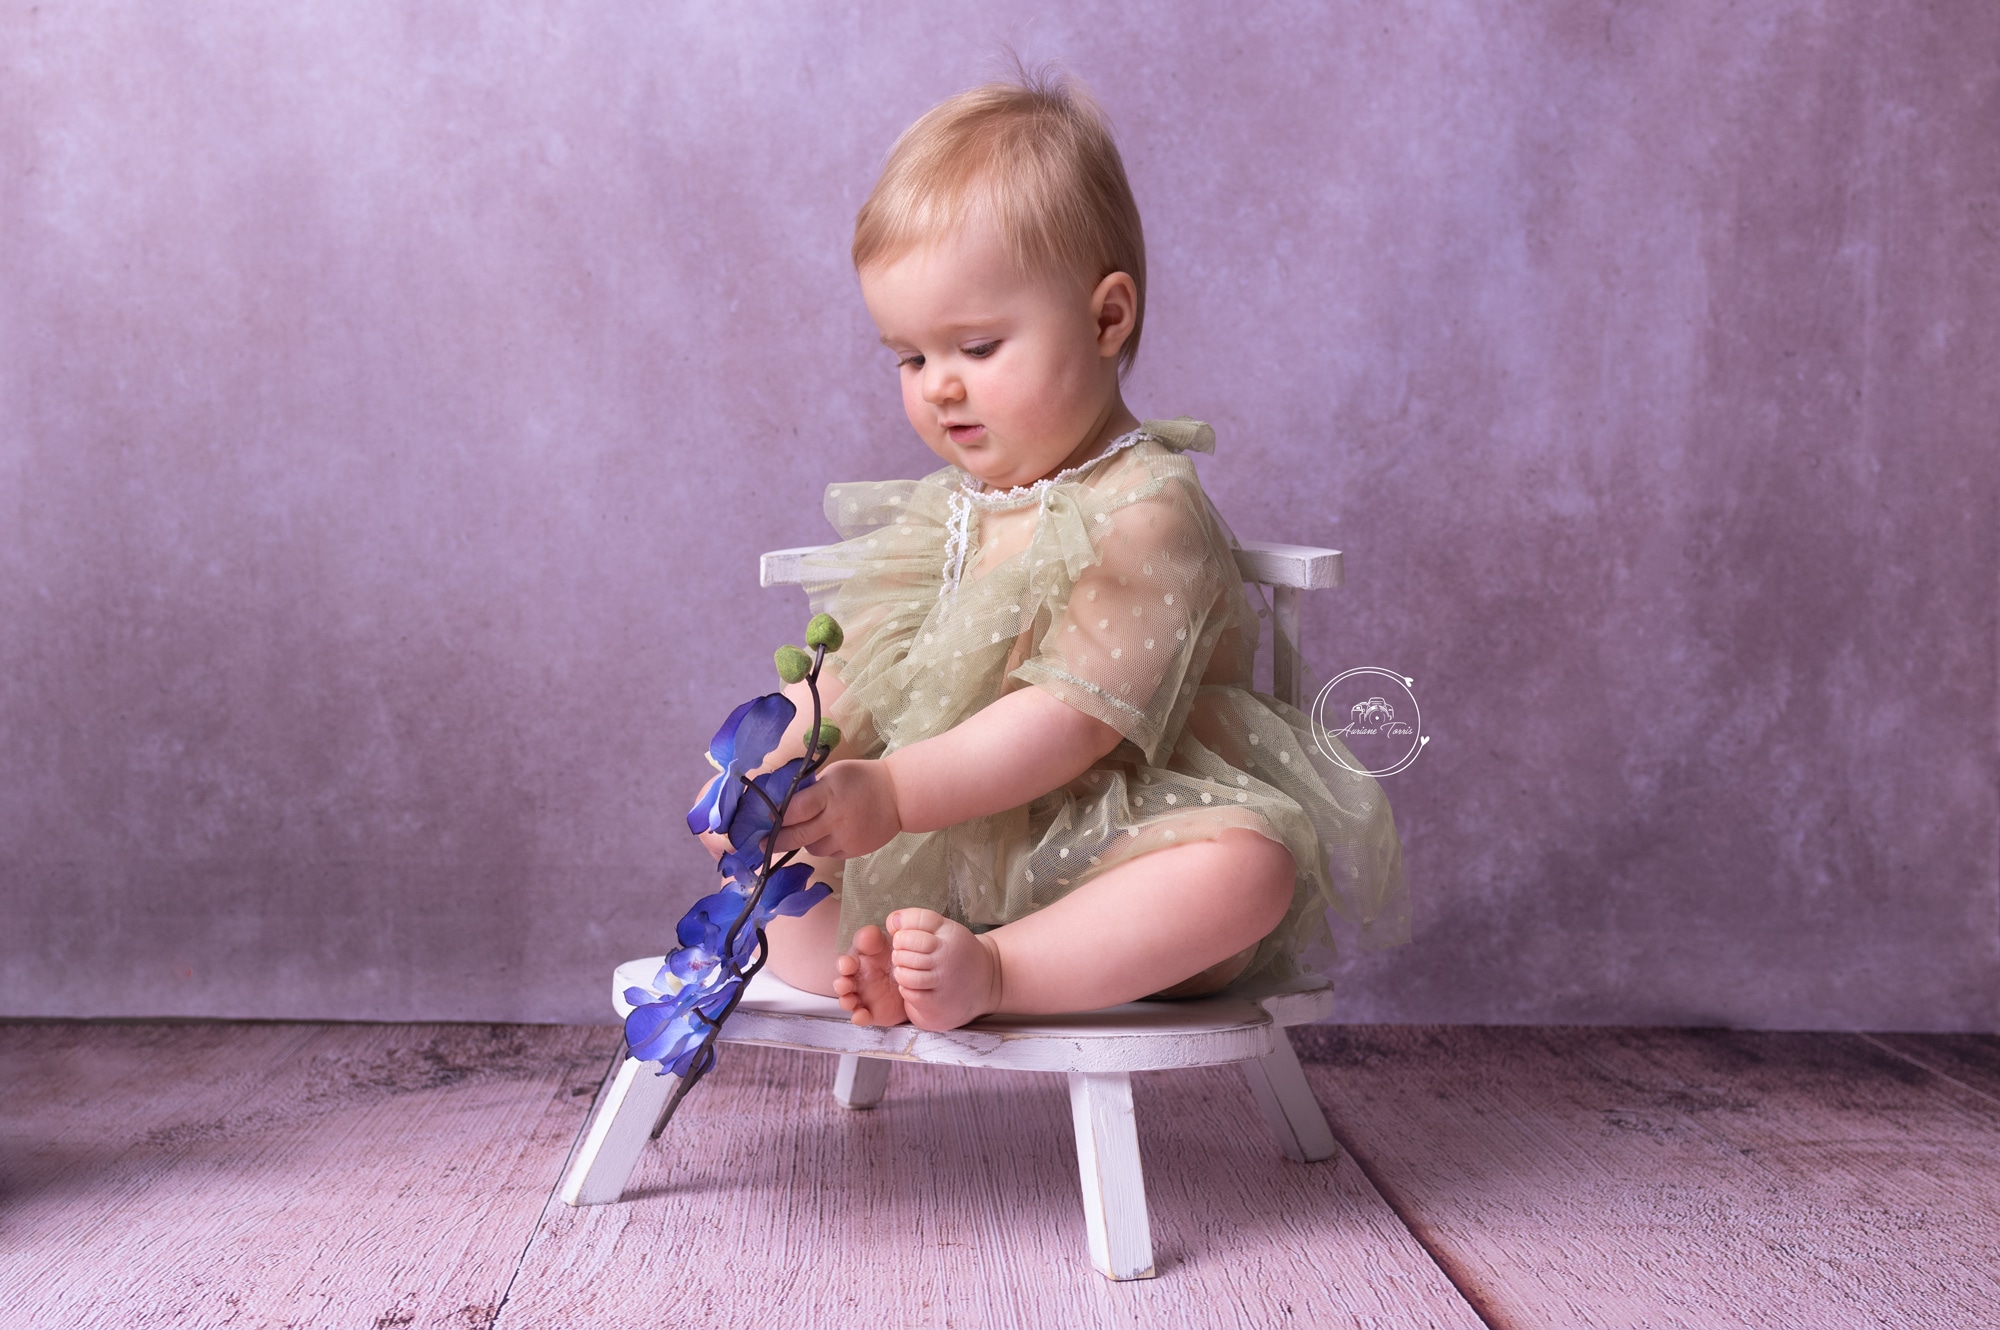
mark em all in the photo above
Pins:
pixel 1112 587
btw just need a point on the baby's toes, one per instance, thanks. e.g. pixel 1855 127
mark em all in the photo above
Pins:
pixel 912 942
pixel 917 978
pixel 916 920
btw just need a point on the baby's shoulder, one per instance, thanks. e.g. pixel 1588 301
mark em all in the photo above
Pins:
pixel 1151 506
pixel 1156 459
pixel 1155 476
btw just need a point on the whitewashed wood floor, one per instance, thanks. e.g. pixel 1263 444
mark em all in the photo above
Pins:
pixel 248 1175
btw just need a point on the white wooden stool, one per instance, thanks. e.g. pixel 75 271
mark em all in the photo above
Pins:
pixel 1098 1050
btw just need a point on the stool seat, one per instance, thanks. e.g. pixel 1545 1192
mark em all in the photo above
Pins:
pixel 1233 1026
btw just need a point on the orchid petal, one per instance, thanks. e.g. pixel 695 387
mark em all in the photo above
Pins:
pixel 685 966
pixel 754 817
pixel 653 1029
pixel 759 724
pixel 683 1062
pixel 722 748
pixel 800 901
pixel 704 816
pixel 746 737
pixel 706 925
pixel 785 882
pixel 741 866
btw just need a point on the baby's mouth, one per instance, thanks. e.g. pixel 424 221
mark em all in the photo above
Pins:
pixel 964 433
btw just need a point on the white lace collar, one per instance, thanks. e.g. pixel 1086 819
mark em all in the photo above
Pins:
pixel 970 494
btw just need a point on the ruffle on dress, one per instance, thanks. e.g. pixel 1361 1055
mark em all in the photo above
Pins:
pixel 1114 588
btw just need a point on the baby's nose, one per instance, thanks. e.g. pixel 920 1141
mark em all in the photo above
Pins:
pixel 941 385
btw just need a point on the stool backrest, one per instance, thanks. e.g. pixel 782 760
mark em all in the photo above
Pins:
pixel 1288 570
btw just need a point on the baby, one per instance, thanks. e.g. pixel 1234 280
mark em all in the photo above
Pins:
pixel 1056 789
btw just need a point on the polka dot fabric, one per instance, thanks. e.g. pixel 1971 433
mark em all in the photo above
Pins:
pixel 1114 589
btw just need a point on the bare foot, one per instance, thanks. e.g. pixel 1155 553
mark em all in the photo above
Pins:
pixel 863 983
pixel 947 973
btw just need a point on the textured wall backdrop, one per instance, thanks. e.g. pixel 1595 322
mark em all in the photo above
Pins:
pixel 394 397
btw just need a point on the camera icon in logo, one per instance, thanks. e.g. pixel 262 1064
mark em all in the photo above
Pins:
pixel 1374 711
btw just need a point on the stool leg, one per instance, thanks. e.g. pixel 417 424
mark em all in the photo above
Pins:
pixel 1288 603
pixel 1114 1190
pixel 626 1113
pixel 861 1081
pixel 1289 1107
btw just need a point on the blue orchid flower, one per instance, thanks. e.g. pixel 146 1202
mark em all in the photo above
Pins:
pixel 752 819
pixel 701 927
pixel 669 1027
pixel 744 740
pixel 674 1020
pixel 672 1032
pixel 787 893
pixel 705 927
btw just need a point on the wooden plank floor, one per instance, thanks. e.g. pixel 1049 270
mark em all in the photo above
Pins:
pixel 277 1174
pixel 390 1176
pixel 1675 1178
pixel 955 1203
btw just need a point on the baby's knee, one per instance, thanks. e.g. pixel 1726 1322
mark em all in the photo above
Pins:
pixel 1266 873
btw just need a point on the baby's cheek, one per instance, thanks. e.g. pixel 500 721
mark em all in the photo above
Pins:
pixel 914 406
pixel 1029 394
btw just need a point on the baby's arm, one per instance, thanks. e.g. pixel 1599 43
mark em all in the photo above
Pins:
pixel 1127 621
pixel 1017 749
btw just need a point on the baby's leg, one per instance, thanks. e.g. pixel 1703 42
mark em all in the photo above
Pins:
pixel 805 954
pixel 1143 927
pixel 802 947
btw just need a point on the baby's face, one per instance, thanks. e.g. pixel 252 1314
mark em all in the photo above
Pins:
pixel 1004 377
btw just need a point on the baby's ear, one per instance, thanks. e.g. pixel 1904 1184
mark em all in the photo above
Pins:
pixel 1114 308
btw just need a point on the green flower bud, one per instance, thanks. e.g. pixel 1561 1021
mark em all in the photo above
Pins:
pixel 824 632
pixel 829 735
pixel 793 664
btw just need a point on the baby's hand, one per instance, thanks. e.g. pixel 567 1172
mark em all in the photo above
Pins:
pixel 849 810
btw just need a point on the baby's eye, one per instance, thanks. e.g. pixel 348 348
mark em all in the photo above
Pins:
pixel 982 350
pixel 910 362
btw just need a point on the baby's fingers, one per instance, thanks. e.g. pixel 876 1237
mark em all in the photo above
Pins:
pixel 806 805
pixel 799 828
pixel 796 835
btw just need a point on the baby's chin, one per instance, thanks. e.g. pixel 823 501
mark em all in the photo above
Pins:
pixel 995 471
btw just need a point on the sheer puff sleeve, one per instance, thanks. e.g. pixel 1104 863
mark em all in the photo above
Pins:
pixel 1125 637
pixel 881 582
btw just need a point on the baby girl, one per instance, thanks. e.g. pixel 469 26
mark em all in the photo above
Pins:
pixel 1056 790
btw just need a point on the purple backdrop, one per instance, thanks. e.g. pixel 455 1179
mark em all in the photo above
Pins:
pixel 394 398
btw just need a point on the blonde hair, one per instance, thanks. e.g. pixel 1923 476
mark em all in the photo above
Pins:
pixel 1034 157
